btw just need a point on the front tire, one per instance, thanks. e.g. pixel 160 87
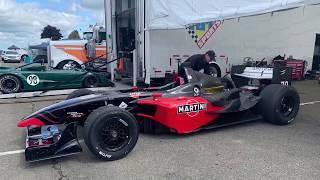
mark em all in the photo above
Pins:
pixel 111 133
pixel 10 84
pixel 279 104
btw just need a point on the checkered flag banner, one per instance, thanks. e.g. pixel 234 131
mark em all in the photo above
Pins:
pixel 202 32
pixel 192 33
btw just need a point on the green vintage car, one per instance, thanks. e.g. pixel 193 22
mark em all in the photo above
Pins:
pixel 34 77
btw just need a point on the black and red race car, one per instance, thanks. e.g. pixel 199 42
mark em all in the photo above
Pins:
pixel 112 120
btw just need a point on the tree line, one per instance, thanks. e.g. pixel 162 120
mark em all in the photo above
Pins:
pixel 54 33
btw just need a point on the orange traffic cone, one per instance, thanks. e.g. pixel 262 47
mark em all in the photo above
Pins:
pixel 120 65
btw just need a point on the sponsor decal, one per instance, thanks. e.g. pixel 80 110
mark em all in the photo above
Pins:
pixel 262 69
pixel 196 91
pixel 135 95
pixel 75 114
pixel 33 80
pixel 202 32
pixel 191 108
pixel 123 105
pixel 104 154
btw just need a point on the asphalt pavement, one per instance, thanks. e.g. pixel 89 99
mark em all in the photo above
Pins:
pixel 250 151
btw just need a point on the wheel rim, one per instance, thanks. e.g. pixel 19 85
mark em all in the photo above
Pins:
pixel 287 106
pixel 92 82
pixel 114 135
pixel 9 85
pixel 69 66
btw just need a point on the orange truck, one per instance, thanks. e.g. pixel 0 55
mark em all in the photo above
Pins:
pixel 68 54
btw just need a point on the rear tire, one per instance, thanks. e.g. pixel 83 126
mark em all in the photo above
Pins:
pixel 279 104
pixel 213 70
pixel 111 133
pixel 79 93
pixel 91 82
pixel 10 84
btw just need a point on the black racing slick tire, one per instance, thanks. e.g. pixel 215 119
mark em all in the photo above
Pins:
pixel 79 93
pixel 279 104
pixel 10 84
pixel 213 70
pixel 111 133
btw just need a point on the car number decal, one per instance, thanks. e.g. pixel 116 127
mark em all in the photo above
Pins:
pixel 33 80
pixel 285 83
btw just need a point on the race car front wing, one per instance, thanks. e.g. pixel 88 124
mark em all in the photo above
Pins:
pixel 47 142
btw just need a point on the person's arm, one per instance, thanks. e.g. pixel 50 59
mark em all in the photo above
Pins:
pixel 185 64
pixel 206 69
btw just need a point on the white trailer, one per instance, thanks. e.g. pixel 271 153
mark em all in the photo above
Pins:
pixel 160 31
pixel 152 52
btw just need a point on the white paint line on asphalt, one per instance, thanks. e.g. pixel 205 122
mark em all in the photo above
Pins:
pixel 11 152
pixel 21 151
pixel 309 103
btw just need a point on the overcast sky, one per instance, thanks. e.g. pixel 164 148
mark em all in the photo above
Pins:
pixel 21 21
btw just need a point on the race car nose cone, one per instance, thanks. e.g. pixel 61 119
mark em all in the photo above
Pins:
pixel 30 122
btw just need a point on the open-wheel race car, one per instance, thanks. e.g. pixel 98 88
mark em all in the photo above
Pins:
pixel 39 77
pixel 112 120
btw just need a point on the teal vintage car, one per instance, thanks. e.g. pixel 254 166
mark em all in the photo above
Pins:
pixel 34 77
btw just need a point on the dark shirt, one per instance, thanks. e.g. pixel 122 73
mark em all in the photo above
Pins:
pixel 196 62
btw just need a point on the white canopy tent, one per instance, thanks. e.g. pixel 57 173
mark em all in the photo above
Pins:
pixel 174 14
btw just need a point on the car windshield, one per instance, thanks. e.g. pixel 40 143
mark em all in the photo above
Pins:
pixel 11 52
pixel 26 65
pixel 88 35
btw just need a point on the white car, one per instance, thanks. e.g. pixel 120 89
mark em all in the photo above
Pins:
pixel 2 55
pixel 11 56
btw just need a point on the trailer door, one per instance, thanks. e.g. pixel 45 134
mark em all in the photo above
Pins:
pixel 140 38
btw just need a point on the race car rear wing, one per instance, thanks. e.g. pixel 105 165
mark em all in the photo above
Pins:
pixel 275 75
pixel 282 75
